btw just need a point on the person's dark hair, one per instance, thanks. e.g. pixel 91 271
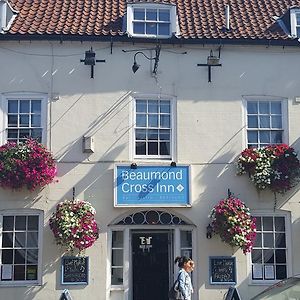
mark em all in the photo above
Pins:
pixel 181 260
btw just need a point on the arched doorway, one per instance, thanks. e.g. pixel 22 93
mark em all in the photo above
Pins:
pixel 151 241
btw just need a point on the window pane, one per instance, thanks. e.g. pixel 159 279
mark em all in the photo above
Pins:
pixel 264 107
pixel 281 272
pixel 7 256
pixel 32 239
pixel 36 121
pixel 268 223
pixel 140 134
pixel 153 134
pixel 139 28
pixel 165 107
pixel 164 134
pixel 33 223
pixel 268 240
pixel 276 107
pixel 153 107
pixel 141 120
pixel 20 223
pixel 141 106
pixel 256 256
pixel 276 137
pixel 12 106
pixel 280 256
pixel 276 122
pixel 36 106
pixel 140 148
pixel 164 148
pixel 117 239
pixel 139 14
pixel 151 14
pixel 7 240
pixel 117 276
pixel 36 134
pixel 252 137
pixel 164 15
pixel 258 241
pixel 264 122
pixel 19 256
pixel 252 122
pixel 24 120
pixel 12 120
pixel 117 257
pixel 268 256
pixel 31 272
pixel 153 148
pixel 32 256
pixel 153 120
pixel 186 239
pixel 252 107
pixel 264 137
pixel 151 28
pixel 280 240
pixel 165 121
pixel 12 134
pixel 19 272
pixel 24 133
pixel 164 29
pixel 279 224
pixel 24 106
pixel 20 238
pixel 8 223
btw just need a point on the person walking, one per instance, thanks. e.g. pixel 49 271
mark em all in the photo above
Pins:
pixel 186 266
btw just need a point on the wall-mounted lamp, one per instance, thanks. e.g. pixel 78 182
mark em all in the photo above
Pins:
pixel 173 164
pixel 133 166
pixel 90 60
pixel 65 295
pixel 136 66
pixel 209 231
pixel 212 61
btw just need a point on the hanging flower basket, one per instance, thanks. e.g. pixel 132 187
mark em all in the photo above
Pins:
pixel 275 167
pixel 73 225
pixel 28 164
pixel 231 220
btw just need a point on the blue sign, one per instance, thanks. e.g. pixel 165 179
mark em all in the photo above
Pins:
pixel 152 186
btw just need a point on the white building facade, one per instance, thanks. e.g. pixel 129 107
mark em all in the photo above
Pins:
pixel 180 118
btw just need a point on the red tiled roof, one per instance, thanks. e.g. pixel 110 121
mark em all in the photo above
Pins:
pixel 198 19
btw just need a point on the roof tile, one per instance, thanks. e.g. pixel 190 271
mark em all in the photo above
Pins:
pixel 202 19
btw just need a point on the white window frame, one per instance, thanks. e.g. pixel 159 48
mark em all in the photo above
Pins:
pixel 287 217
pixel 22 96
pixel 293 15
pixel 174 29
pixel 284 112
pixel 173 114
pixel 27 212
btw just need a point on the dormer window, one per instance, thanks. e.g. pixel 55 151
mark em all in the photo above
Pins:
pixel 295 22
pixel 7 15
pixel 151 20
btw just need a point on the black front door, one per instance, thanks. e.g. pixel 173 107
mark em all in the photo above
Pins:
pixel 150 265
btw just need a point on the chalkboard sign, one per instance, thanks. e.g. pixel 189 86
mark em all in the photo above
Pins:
pixel 232 294
pixel 74 270
pixel 222 270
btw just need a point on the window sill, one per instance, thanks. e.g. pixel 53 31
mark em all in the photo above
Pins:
pixel 117 288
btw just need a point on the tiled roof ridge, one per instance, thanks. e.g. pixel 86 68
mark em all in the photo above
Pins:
pixel 197 19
